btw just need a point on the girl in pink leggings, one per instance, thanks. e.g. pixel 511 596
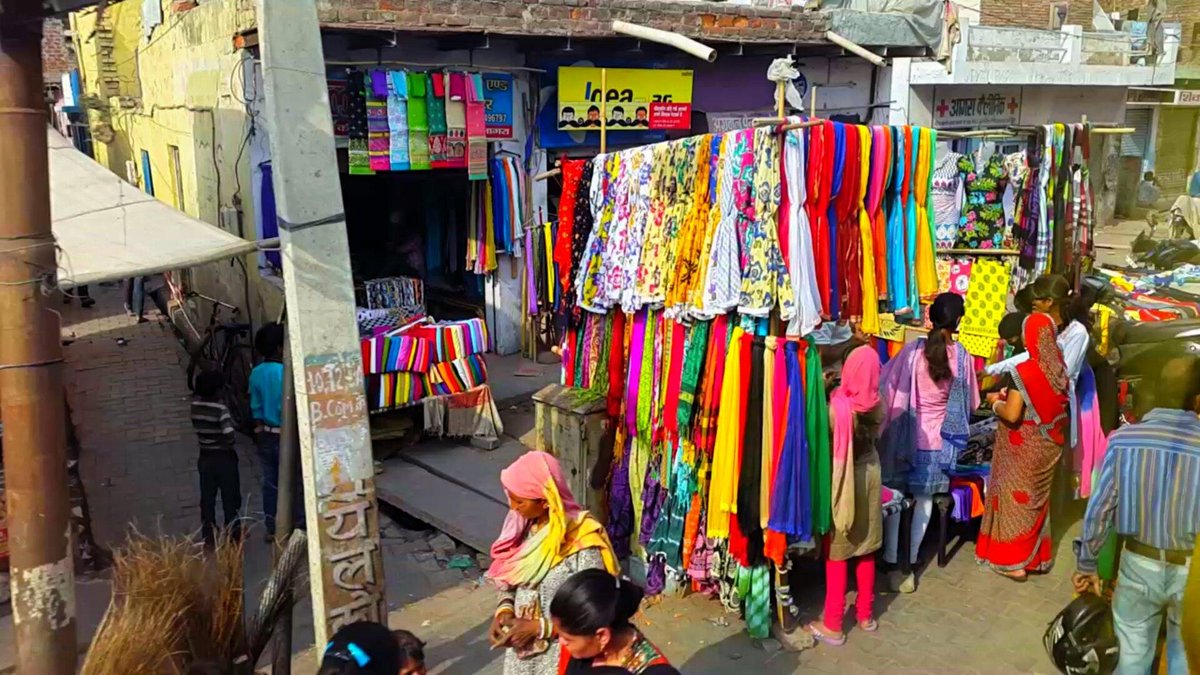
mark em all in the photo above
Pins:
pixel 857 517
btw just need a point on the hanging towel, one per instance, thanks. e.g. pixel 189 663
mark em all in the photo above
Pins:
pixel 359 153
pixel 418 121
pixel 435 102
pixel 476 128
pixel 397 107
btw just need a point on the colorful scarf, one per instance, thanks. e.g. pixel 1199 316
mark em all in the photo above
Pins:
pixel 858 393
pixel 522 558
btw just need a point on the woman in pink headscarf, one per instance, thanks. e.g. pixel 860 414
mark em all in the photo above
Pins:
pixel 857 516
pixel 546 538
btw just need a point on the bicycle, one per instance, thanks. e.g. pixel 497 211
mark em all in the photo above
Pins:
pixel 225 348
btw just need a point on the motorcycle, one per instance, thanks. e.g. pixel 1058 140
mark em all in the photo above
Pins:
pixel 1143 348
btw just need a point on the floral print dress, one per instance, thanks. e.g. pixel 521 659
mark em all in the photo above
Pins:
pixel 982 224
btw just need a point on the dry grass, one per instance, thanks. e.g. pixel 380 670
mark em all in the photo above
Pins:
pixel 176 610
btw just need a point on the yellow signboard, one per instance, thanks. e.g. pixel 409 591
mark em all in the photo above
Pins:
pixel 637 99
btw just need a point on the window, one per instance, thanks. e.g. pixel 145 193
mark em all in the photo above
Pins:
pixel 176 176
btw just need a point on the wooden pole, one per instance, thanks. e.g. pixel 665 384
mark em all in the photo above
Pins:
pixel 31 356
pixel 603 110
pixel 779 88
pixel 812 101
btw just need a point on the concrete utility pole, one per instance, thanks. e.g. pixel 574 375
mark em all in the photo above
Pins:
pixel 346 567
pixel 31 383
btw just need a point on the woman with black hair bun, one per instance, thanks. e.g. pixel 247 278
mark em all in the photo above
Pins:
pixel 591 613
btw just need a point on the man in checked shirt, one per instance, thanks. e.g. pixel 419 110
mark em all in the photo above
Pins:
pixel 1149 489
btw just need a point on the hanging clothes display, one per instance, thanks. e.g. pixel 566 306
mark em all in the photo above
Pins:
pixel 691 275
pixel 947 199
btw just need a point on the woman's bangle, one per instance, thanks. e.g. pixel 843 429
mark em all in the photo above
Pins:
pixel 502 610
pixel 546 630
pixel 994 404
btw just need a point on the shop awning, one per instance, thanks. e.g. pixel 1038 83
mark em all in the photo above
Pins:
pixel 108 229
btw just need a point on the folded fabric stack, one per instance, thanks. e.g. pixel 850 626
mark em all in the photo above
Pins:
pixel 392 353
pixel 424 360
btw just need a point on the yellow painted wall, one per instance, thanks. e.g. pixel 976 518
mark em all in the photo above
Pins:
pixel 181 86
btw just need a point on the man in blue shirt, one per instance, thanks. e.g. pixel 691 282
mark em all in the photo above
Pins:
pixel 1149 489
pixel 266 405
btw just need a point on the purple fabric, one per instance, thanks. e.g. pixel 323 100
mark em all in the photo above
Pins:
pixel 656 575
pixel 653 496
pixel 379 85
pixel 620 507
pixel 637 345
pixel 791 511
pixel 962 503
pixel 530 279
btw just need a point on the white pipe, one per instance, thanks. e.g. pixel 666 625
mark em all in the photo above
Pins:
pixel 854 47
pixel 666 37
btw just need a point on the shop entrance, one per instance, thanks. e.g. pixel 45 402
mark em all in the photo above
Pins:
pixel 414 224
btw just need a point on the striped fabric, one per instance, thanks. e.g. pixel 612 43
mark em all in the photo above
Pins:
pixel 392 353
pixel 396 390
pixel 1147 486
pixel 459 375
pixel 213 425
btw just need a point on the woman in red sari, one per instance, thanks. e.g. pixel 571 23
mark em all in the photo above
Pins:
pixel 1015 536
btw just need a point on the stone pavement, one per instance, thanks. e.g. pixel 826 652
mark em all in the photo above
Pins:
pixel 962 619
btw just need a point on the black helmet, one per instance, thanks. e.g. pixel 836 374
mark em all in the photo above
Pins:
pixel 1081 639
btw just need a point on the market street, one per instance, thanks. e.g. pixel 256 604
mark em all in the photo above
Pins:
pixel 129 405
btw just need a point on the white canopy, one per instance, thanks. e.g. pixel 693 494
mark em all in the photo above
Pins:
pixel 108 229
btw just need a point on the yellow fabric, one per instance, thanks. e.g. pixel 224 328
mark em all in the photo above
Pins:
pixel 692 232
pixel 722 492
pixel 870 289
pixel 548 242
pixel 927 279
pixel 710 227
pixel 986 296
pixel 768 432
pixel 489 249
pixel 1191 612
pixel 978 345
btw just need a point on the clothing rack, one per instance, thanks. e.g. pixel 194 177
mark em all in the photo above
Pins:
pixel 978 251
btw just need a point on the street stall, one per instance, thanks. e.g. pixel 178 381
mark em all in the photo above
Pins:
pixel 697 273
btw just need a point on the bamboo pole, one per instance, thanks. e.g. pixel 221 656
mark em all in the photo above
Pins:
pixel 812 101
pixel 779 87
pixel 979 251
pixel 603 110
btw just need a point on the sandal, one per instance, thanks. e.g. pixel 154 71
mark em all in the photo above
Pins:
pixel 817 629
pixel 1020 576
pixel 870 625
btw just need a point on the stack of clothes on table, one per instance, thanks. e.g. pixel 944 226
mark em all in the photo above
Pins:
pixel 421 360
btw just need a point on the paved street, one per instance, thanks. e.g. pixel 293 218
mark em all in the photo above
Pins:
pixel 138 462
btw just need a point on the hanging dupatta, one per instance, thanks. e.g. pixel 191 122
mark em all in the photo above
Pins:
pixel 926 264
pixel 836 139
pixel 817 417
pixel 850 281
pixel 727 448
pixel 798 234
pixel 572 173
pixel 879 218
pixel 897 269
pixel 912 137
pixel 791 503
pixel 866 303
pixel 819 174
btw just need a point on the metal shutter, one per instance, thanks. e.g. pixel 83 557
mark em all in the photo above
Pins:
pixel 1137 143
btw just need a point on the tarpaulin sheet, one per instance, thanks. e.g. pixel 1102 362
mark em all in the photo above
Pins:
pixel 108 229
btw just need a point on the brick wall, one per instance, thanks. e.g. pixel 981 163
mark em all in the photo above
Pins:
pixel 578 18
pixel 57 57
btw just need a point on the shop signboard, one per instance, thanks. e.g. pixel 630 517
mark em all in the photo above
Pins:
pixel 1189 97
pixel 498 103
pixel 638 99
pixel 723 122
pixel 976 107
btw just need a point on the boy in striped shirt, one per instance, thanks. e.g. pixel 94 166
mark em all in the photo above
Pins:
pixel 218 463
